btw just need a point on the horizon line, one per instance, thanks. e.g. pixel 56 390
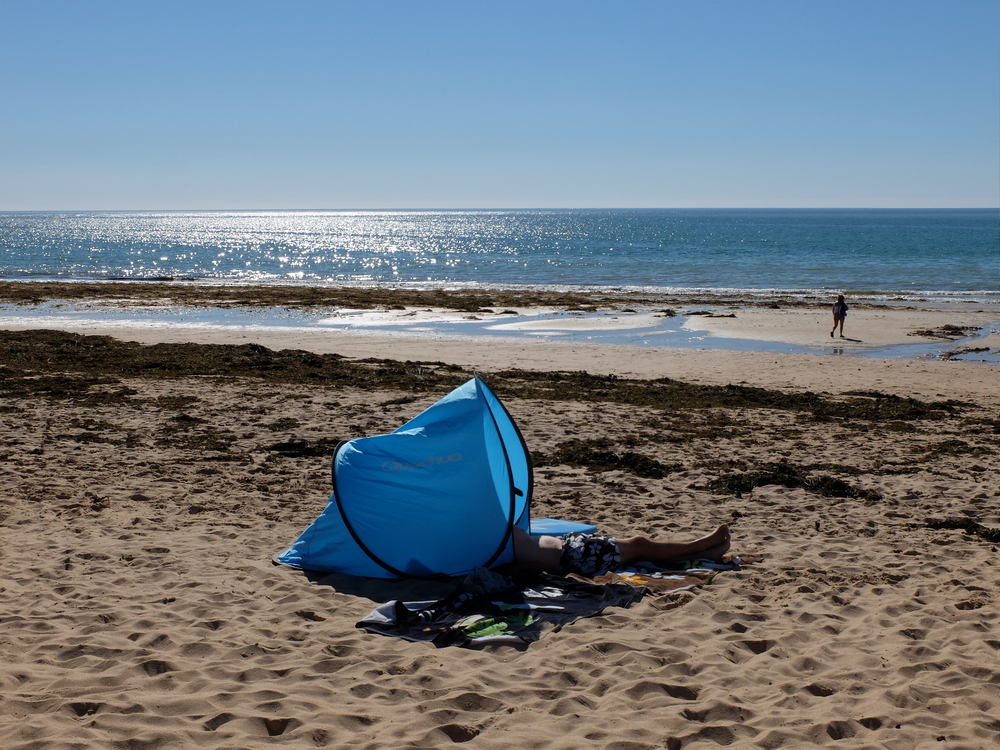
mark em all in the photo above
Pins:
pixel 508 208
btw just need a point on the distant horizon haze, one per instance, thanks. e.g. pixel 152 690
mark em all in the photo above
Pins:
pixel 418 209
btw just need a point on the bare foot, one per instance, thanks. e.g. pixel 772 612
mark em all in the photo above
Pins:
pixel 718 537
pixel 714 553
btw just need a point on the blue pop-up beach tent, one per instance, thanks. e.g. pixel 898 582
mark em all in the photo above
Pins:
pixel 439 496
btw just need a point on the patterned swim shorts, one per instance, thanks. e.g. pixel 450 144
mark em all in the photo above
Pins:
pixel 588 555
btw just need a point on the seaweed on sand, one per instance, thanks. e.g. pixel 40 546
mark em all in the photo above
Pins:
pixel 82 390
pixel 667 394
pixel 952 447
pixel 301 448
pixel 968 525
pixel 597 456
pixel 169 292
pixel 947 332
pixel 788 475
pixel 209 439
pixel 102 359
pixel 366 298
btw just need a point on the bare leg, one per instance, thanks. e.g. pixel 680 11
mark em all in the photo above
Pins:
pixel 710 547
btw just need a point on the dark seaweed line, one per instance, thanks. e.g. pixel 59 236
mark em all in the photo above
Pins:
pixel 969 526
pixel 26 355
pixel 787 475
pixel 369 297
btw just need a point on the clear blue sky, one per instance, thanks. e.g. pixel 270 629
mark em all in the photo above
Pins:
pixel 146 104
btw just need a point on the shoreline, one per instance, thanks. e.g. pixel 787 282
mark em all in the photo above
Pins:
pixel 322 319
pixel 461 295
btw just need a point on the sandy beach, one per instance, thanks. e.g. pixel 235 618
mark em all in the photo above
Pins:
pixel 144 492
pixel 243 244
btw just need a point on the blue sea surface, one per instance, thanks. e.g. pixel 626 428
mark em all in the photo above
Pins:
pixel 951 253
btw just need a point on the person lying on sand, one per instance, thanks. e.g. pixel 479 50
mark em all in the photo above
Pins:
pixel 591 554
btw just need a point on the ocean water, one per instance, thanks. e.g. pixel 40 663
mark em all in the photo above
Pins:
pixel 946 253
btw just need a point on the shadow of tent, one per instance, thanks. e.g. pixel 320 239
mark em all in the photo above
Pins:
pixel 383 590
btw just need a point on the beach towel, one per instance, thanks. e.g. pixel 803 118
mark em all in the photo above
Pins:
pixel 681 576
pixel 488 609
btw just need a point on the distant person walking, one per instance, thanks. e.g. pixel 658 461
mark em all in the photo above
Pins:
pixel 839 314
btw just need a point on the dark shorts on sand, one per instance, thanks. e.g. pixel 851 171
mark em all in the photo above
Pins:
pixel 589 555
